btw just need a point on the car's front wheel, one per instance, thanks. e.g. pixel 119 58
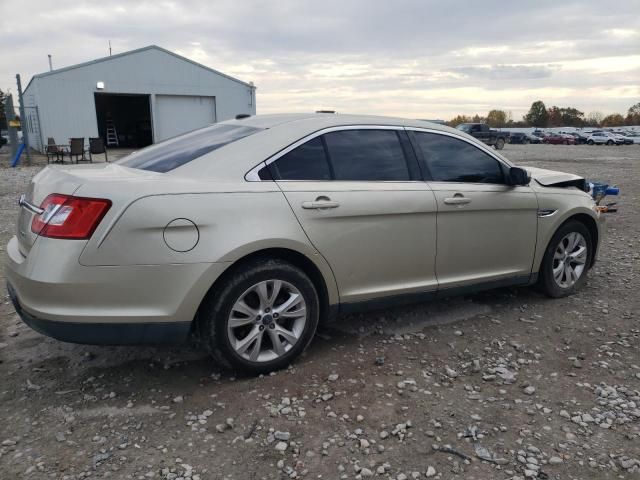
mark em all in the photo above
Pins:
pixel 566 260
pixel 590 142
pixel 263 317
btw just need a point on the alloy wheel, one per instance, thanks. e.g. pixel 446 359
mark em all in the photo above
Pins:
pixel 267 320
pixel 569 260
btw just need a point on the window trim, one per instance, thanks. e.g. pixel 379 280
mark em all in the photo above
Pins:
pixel 504 165
pixel 252 175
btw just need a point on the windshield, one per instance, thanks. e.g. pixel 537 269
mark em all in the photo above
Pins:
pixel 465 127
pixel 175 152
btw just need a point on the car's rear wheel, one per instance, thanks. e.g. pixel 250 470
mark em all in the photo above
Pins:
pixel 262 318
pixel 590 142
pixel 499 144
pixel 566 260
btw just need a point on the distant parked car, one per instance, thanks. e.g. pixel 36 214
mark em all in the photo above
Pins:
pixel 580 138
pixel 559 139
pixel 518 137
pixel 623 138
pixel 539 134
pixel 487 135
pixel 601 138
pixel 635 137
pixel 532 138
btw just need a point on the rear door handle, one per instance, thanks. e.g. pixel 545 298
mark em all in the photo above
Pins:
pixel 457 201
pixel 320 205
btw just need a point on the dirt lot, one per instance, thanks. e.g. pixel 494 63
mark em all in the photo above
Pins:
pixel 539 388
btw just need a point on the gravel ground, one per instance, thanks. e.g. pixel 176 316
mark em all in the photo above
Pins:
pixel 504 384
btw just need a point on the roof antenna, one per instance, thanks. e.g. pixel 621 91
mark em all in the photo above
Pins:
pixel 109 47
pixel 50 64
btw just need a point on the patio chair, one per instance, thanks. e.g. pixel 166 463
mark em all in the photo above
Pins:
pixel 96 146
pixel 76 149
pixel 54 150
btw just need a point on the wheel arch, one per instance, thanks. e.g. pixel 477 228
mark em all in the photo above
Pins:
pixel 588 221
pixel 327 291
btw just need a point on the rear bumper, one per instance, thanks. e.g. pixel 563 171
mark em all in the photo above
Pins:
pixel 104 333
pixel 117 305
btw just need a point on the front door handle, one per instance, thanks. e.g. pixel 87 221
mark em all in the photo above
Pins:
pixel 457 200
pixel 320 203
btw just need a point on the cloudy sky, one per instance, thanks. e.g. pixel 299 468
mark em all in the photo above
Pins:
pixel 413 58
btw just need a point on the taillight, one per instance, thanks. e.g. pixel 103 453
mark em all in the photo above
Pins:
pixel 69 217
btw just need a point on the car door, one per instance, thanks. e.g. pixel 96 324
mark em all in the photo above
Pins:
pixel 486 228
pixel 356 192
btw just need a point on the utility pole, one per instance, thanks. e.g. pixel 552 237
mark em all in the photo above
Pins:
pixel 50 64
pixel 23 118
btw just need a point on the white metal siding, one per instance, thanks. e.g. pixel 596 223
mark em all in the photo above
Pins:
pixel 65 99
pixel 176 114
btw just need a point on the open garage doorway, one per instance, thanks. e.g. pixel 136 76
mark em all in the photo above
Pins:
pixel 124 121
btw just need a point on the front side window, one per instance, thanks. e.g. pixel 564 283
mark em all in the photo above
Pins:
pixel 370 155
pixel 177 151
pixel 450 159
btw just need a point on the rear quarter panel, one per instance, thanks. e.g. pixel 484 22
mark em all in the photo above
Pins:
pixel 230 224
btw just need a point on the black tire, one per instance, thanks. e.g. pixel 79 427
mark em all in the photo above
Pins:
pixel 525 141
pixel 609 142
pixel 499 144
pixel 546 282
pixel 590 142
pixel 213 315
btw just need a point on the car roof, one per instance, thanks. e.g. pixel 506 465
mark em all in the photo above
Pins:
pixel 315 121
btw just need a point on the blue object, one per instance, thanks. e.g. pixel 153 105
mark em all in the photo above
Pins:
pixel 600 190
pixel 16 160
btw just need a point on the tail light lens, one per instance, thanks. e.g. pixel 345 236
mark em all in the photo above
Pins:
pixel 69 217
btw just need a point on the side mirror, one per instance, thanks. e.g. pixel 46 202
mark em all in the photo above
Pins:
pixel 518 176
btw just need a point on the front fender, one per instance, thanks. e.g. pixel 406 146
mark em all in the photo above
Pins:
pixel 580 204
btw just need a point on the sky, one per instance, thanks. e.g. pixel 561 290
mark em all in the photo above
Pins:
pixel 410 58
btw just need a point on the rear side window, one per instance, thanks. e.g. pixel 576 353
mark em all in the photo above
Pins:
pixel 177 151
pixel 306 162
pixel 449 159
pixel 357 155
pixel 372 155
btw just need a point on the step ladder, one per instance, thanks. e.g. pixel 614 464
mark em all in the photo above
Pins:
pixel 112 135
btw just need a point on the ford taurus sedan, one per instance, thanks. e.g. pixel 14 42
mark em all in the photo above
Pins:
pixel 248 233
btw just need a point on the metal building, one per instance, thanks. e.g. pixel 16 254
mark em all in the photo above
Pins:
pixel 131 99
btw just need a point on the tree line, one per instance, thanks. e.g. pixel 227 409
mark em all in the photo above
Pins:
pixel 541 116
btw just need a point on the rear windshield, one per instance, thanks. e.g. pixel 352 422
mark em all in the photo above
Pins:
pixel 175 152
